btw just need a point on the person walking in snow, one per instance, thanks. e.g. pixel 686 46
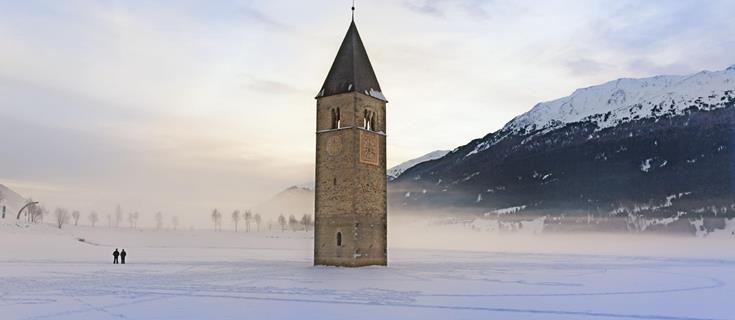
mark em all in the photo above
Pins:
pixel 122 256
pixel 115 254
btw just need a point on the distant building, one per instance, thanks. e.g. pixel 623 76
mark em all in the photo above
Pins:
pixel 350 192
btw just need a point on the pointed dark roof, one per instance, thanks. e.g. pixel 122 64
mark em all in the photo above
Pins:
pixel 351 69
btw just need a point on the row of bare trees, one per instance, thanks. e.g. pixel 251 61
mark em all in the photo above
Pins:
pixel 115 221
pixel 295 224
pixel 248 217
pixel 62 216
pixel 35 213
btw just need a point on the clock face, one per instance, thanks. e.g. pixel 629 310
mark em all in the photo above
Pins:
pixel 334 145
pixel 369 148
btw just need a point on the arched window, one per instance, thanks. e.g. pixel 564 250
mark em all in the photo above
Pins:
pixel 339 239
pixel 339 119
pixel 368 120
pixel 364 119
pixel 336 121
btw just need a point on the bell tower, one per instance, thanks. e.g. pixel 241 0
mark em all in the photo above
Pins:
pixel 350 224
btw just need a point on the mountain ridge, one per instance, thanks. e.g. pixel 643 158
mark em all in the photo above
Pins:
pixel 611 103
pixel 397 170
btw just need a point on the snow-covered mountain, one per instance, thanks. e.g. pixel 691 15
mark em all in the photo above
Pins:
pixel 660 147
pixel 625 100
pixel 629 99
pixel 396 171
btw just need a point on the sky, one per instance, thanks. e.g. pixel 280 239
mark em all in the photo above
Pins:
pixel 185 106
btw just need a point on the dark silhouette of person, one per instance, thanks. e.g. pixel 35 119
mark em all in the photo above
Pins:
pixel 122 256
pixel 114 255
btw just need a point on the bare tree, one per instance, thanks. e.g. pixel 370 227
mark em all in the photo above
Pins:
pixel 282 222
pixel 175 222
pixel 109 220
pixel 93 218
pixel 293 223
pixel 213 216
pixel 30 204
pixel 118 216
pixel 159 220
pixel 75 216
pixel 38 213
pixel 217 219
pixel 258 220
pixel 306 222
pixel 131 220
pixel 62 217
pixel 136 215
pixel 34 213
pixel 236 218
pixel 248 216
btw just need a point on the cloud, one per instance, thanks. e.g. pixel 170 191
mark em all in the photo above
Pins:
pixel 427 7
pixel 642 26
pixel 633 38
pixel 271 86
pixel 648 66
pixel 583 66
pixel 481 9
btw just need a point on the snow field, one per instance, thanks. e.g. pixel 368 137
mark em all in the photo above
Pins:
pixel 46 273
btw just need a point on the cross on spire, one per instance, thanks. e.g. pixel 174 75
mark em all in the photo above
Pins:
pixel 353 10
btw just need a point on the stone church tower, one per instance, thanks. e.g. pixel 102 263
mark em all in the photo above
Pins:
pixel 351 203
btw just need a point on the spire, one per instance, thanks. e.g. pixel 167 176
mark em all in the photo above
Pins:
pixel 351 69
pixel 353 10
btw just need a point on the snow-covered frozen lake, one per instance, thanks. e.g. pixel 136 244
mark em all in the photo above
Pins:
pixel 48 274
